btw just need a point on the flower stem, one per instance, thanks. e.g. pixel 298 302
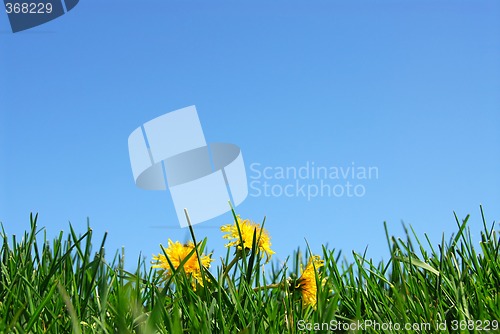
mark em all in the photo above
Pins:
pixel 231 264
pixel 270 286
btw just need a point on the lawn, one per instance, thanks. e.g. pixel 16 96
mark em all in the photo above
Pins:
pixel 66 285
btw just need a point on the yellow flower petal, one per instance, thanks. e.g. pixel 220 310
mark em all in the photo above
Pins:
pixel 247 229
pixel 176 253
pixel 306 284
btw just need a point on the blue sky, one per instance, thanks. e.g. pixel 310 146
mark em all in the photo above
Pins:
pixel 411 88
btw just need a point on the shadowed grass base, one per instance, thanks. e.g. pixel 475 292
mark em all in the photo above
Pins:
pixel 66 286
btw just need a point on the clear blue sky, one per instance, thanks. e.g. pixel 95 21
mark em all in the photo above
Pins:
pixel 411 88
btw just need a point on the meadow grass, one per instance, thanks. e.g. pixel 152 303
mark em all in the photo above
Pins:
pixel 67 286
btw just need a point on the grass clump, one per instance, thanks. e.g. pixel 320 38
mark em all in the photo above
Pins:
pixel 66 286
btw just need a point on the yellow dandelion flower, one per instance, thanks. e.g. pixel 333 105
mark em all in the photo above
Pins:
pixel 176 253
pixel 247 229
pixel 306 284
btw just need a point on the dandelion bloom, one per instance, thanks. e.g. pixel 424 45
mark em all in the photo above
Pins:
pixel 247 229
pixel 306 284
pixel 176 253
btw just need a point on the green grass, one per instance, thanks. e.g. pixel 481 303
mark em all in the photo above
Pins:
pixel 66 285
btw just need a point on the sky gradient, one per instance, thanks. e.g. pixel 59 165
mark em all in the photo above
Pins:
pixel 412 89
